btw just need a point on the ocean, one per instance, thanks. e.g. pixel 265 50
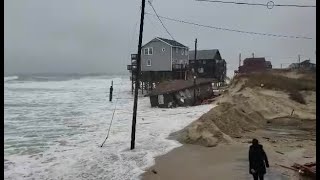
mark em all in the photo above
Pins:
pixel 54 127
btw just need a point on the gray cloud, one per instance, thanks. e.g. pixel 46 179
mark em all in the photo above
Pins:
pixel 99 36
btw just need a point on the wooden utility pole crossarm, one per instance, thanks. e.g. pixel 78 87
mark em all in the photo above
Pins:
pixel 135 104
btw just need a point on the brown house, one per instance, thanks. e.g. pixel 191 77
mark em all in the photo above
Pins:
pixel 257 64
pixel 208 64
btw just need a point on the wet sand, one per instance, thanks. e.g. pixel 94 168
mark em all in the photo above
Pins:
pixel 193 162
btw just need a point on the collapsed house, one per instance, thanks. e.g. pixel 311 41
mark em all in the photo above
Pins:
pixel 181 92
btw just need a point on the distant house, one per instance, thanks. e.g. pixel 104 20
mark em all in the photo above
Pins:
pixel 208 64
pixel 180 92
pixel 253 64
pixel 303 65
pixel 294 66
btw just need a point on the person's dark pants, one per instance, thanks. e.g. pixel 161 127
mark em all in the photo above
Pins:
pixel 257 176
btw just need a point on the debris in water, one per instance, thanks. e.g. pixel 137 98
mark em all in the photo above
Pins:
pixel 154 171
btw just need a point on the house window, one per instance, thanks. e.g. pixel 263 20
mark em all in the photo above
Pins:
pixel 149 62
pixel 160 99
pixel 148 51
pixel 182 51
pixel 186 52
pixel 200 70
pixel 163 49
pixel 177 50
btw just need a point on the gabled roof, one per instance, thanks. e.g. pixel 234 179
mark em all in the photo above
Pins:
pixel 255 59
pixel 172 42
pixel 306 62
pixel 204 54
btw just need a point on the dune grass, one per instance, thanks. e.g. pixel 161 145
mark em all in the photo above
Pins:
pixel 307 82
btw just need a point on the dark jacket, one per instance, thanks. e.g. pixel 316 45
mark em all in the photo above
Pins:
pixel 258 159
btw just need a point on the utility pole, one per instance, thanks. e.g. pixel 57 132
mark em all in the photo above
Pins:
pixel 195 56
pixel 239 59
pixel 110 92
pixel 135 104
pixel 194 90
pixel 299 61
pixel 195 49
pixel 195 71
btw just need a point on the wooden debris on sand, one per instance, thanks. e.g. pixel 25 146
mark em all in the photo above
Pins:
pixel 308 169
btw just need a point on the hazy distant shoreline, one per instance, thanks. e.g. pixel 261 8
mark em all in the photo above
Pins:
pixel 66 74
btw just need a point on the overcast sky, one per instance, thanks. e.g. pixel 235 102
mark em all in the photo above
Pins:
pixel 89 36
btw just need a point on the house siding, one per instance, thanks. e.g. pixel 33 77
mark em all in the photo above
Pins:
pixel 178 58
pixel 160 61
pixel 217 56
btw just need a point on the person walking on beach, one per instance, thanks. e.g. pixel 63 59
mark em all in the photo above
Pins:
pixel 258 160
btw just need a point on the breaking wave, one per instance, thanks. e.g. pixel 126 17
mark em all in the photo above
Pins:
pixel 10 78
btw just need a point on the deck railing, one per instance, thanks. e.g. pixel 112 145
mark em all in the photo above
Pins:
pixel 131 67
pixel 179 66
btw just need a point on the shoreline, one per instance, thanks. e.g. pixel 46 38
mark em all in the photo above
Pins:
pixel 228 161
pixel 190 162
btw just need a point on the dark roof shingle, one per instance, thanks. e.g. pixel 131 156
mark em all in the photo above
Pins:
pixel 203 54
pixel 172 42
pixel 252 61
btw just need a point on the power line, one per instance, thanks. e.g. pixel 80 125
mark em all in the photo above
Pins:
pixel 160 19
pixel 155 27
pixel 114 110
pixel 231 30
pixel 269 4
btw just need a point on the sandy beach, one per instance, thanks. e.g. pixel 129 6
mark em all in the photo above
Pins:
pixel 216 145
pixel 194 162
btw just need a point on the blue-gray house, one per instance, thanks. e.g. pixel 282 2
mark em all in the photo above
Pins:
pixel 161 54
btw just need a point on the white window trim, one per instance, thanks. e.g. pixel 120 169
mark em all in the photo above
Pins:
pixel 149 60
pixel 151 50
pixel 161 99
pixel 144 52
